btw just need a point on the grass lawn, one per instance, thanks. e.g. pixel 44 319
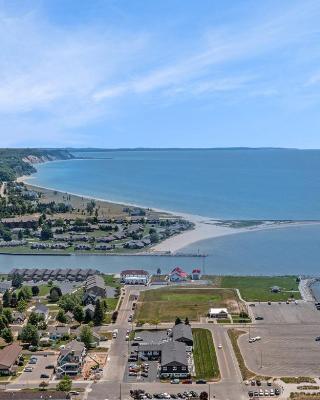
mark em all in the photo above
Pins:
pixel 234 335
pixel 112 303
pixel 110 280
pixel 44 290
pixel 166 304
pixel 204 355
pixel 257 288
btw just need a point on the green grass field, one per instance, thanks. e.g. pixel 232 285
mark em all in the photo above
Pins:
pixel 204 355
pixel 112 303
pixel 257 288
pixel 166 304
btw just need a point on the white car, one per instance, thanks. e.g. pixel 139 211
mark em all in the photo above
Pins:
pixel 219 346
pixel 28 369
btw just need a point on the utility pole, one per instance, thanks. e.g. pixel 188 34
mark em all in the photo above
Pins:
pixel 260 358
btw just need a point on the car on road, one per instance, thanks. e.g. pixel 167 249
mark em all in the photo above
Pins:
pixel 269 303
pixel 33 360
pixel 50 366
pixel 28 369
pixel 317 339
pixel 44 376
pixel 174 381
pixel 219 346
pixel 201 382
pixel 138 339
pixel 187 381
pixel 259 318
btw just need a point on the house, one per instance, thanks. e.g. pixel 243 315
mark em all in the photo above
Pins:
pixel 71 359
pixel 218 313
pixel 178 275
pixel 58 332
pixel 8 359
pixel 174 360
pixel 196 274
pixel 41 310
pixel 95 285
pixel 182 333
pixel 90 298
pixel 89 310
pixel 5 285
pixel 69 316
pixel 135 277
pixel 18 318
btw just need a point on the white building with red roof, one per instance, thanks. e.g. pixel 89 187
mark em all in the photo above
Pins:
pixel 178 275
pixel 196 274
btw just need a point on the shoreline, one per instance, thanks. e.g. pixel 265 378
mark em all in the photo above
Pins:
pixel 204 227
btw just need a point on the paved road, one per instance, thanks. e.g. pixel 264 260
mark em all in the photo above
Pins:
pixel 230 387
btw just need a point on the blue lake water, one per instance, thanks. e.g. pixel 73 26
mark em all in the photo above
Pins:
pixel 282 251
pixel 230 184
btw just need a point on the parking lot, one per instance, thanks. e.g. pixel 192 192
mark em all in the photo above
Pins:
pixel 38 369
pixel 287 346
pixel 148 371
pixel 300 313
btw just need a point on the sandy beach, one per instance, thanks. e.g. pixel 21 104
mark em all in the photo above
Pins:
pixel 204 227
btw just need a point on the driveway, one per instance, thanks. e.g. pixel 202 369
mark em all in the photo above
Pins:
pixel 38 369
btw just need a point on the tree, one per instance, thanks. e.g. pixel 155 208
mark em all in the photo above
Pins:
pixel 87 316
pixel 33 319
pixel 158 271
pixel 186 321
pixel 6 236
pixel 154 237
pixel 78 314
pixel 203 396
pixel 178 321
pixel 42 325
pixel 61 317
pixel 22 305
pixel 14 300
pixel 3 323
pixel 98 314
pixel 7 335
pixel 29 334
pixel 43 385
pixel 46 233
pixel 114 316
pixel 6 299
pixel 8 314
pixel 35 290
pixel 17 280
pixel 86 336
pixel 25 293
pixel 90 206
pixel 20 235
pixel 65 384
pixel 55 294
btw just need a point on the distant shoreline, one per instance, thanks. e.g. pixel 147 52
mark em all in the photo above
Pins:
pixel 204 227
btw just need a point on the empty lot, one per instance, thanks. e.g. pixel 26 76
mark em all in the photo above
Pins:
pixel 166 304
pixel 287 346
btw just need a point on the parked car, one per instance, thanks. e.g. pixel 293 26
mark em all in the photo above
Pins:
pixel 201 381
pixel 259 318
pixel 250 394
pixel 28 369
pixel 317 339
pixel 44 376
pixel 138 339
pixel 50 366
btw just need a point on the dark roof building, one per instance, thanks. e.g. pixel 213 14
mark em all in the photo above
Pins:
pixel 182 333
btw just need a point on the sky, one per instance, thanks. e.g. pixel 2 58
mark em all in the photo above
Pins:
pixel 169 73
